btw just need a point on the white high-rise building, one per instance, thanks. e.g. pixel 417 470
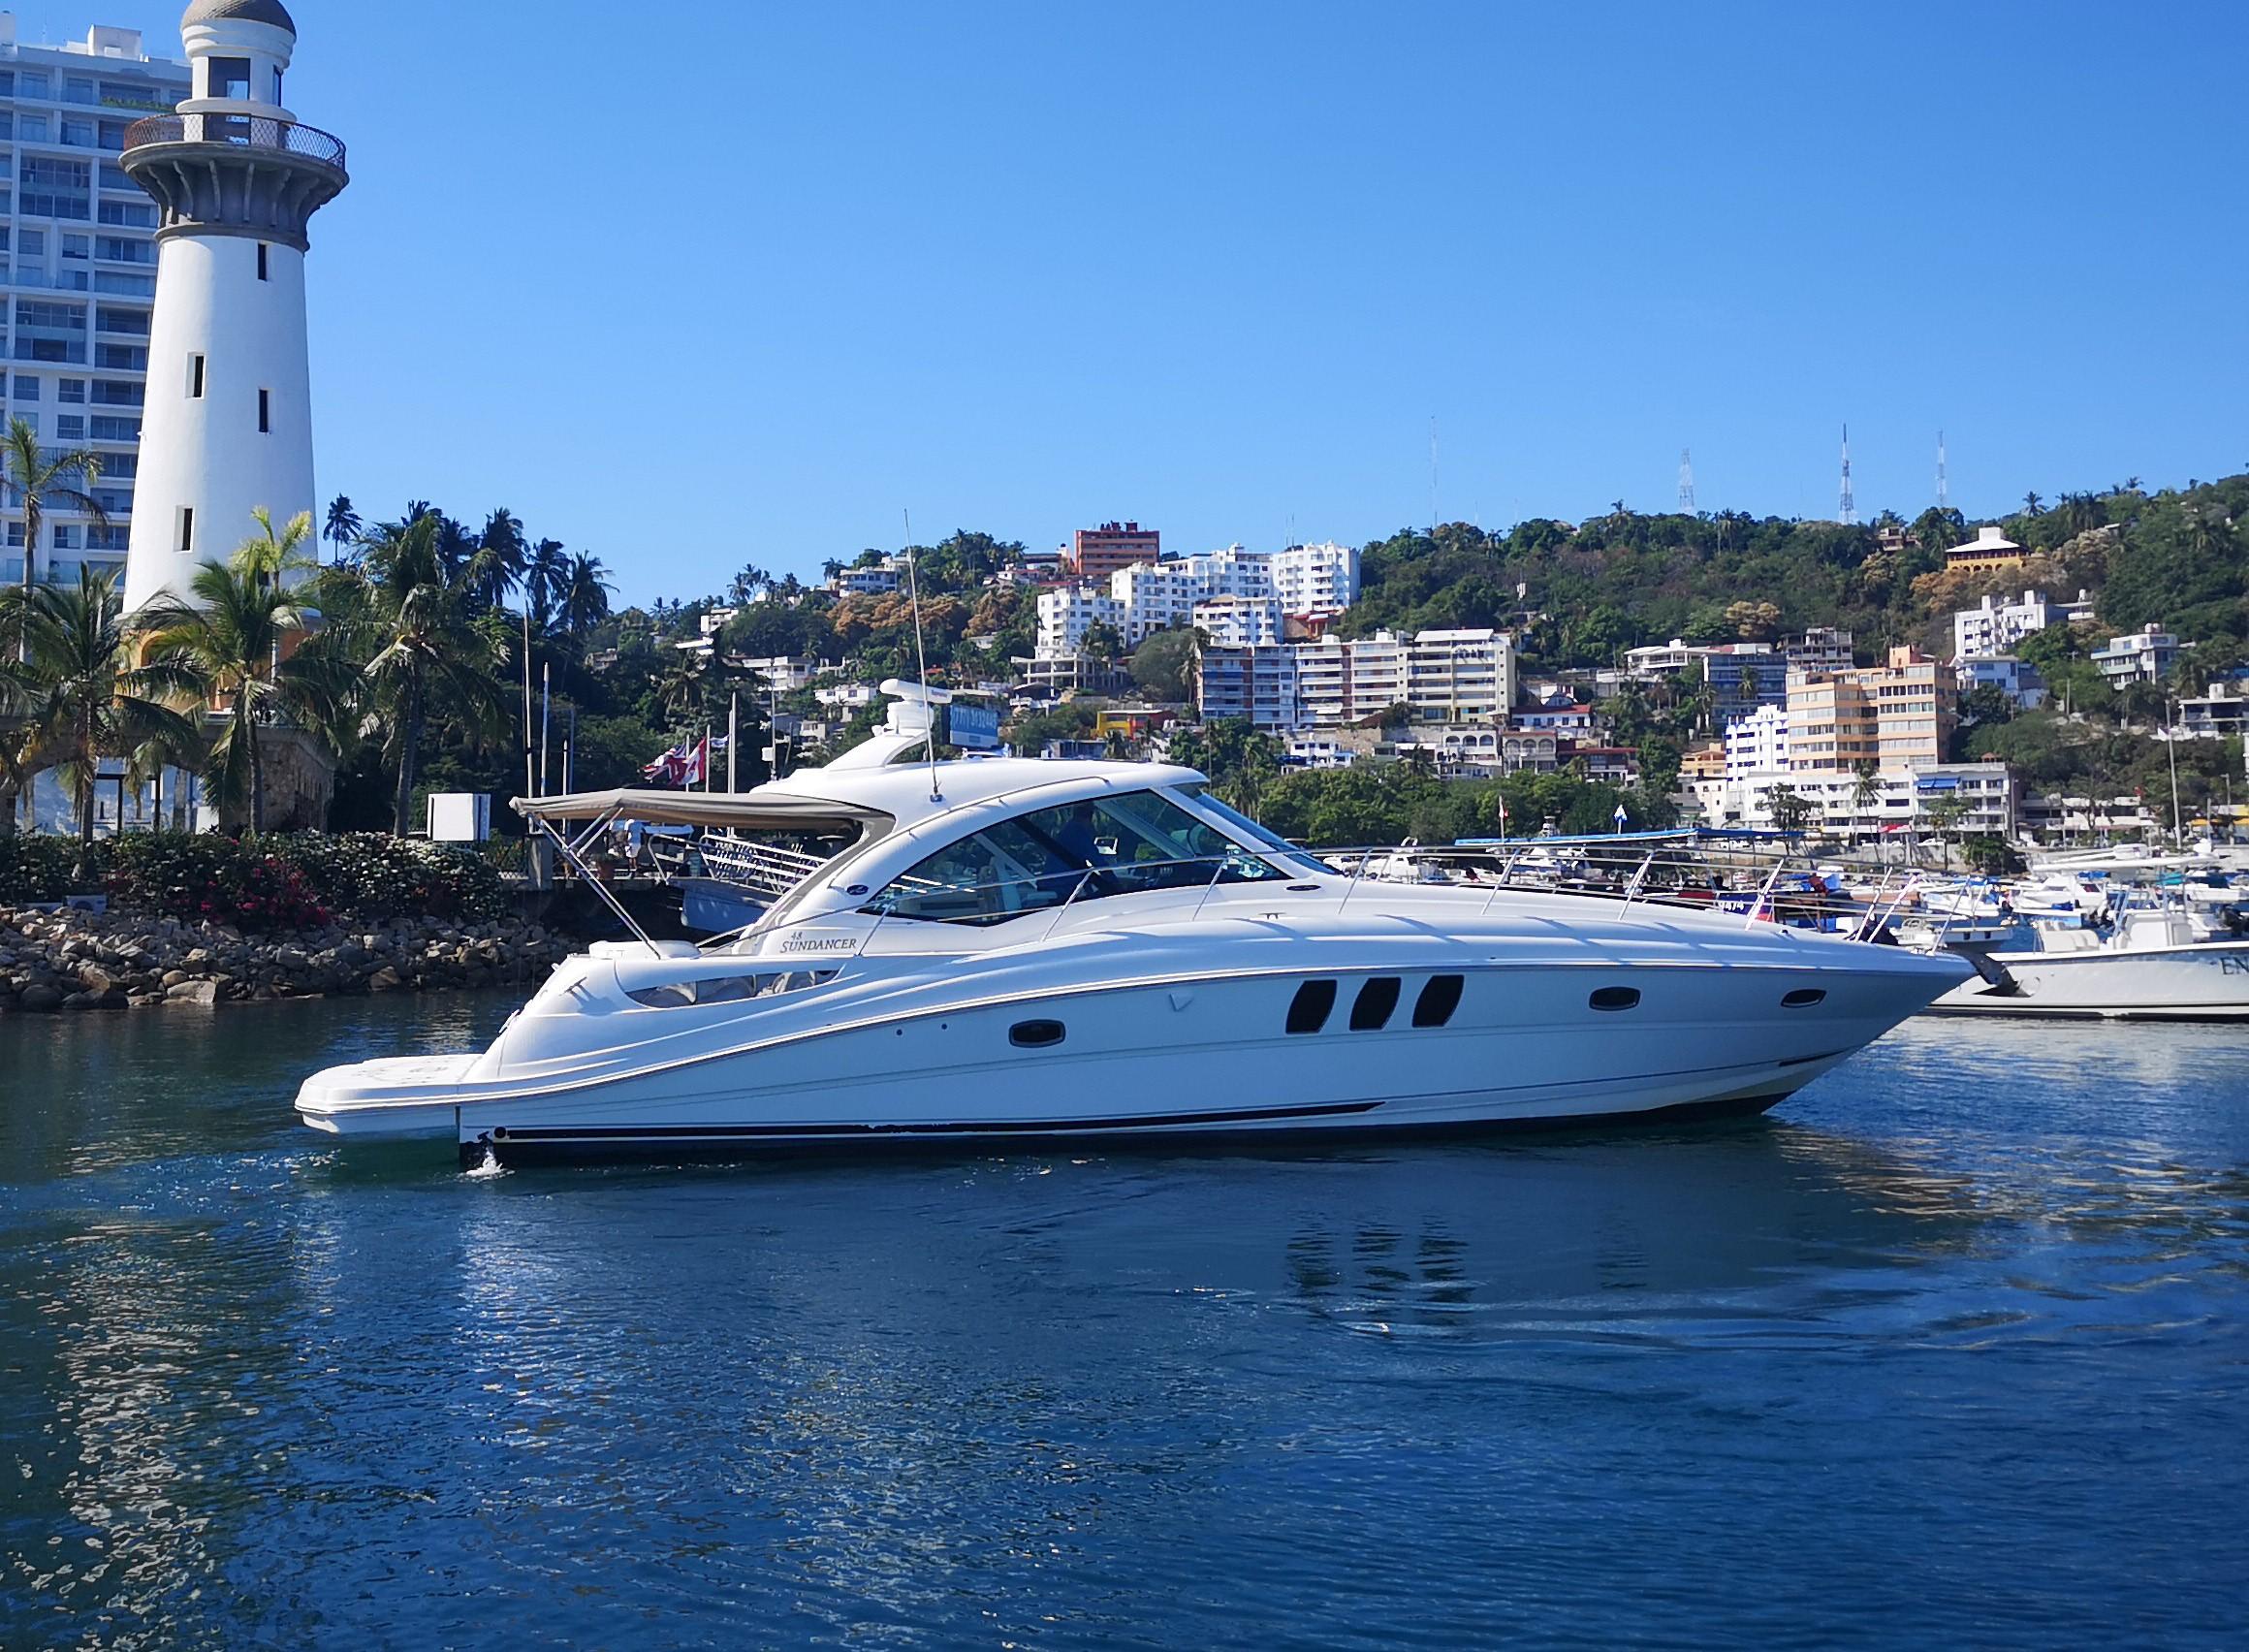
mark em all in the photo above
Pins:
pixel 1315 581
pixel 1461 676
pixel 1152 596
pixel 1239 620
pixel 1068 612
pixel 1994 626
pixel 1757 743
pixel 78 255
pixel 236 178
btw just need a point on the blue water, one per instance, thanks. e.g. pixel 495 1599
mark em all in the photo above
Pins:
pixel 1949 1351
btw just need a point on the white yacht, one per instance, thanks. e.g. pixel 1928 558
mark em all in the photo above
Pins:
pixel 995 950
pixel 2144 954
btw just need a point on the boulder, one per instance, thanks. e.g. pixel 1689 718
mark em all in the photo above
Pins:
pixel 41 999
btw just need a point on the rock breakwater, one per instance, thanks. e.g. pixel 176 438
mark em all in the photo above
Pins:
pixel 53 962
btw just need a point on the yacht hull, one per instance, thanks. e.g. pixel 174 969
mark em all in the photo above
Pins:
pixel 1184 1057
pixel 2179 983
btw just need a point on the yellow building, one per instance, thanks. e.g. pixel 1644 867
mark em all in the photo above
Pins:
pixel 1988 551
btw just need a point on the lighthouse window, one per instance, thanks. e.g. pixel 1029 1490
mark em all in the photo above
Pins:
pixel 261 261
pixel 187 528
pixel 276 85
pixel 195 376
pixel 230 77
pixel 265 412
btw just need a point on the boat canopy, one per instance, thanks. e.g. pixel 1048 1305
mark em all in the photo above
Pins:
pixel 761 810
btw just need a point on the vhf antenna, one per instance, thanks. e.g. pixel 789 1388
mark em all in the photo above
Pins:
pixel 913 586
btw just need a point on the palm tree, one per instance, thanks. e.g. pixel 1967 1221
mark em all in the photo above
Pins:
pixel 1865 786
pixel 545 576
pixel 231 639
pixel 267 556
pixel 498 564
pixel 585 596
pixel 343 525
pixel 38 475
pixel 82 698
pixel 2032 504
pixel 683 689
pixel 409 620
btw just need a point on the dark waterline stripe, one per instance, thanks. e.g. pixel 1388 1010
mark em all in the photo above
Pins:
pixel 1002 1127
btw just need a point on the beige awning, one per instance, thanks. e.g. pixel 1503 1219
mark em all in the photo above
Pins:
pixel 744 812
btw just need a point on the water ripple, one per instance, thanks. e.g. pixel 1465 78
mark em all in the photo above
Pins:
pixel 1951 1351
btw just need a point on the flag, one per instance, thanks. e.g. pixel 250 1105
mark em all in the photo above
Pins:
pixel 695 763
pixel 667 768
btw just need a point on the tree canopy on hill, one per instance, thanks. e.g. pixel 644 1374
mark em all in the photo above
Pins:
pixel 1577 595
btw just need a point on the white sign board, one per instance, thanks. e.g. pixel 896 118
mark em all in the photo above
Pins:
pixel 459 817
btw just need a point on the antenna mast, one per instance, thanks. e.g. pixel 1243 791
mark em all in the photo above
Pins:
pixel 1432 476
pixel 1686 483
pixel 1848 511
pixel 913 586
pixel 1944 499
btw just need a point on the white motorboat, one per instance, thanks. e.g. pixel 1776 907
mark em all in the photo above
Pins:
pixel 2149 956
pixel 1011 949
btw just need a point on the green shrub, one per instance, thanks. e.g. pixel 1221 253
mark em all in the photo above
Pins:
pixel 35 868
pixel 193 875
pixel 285 880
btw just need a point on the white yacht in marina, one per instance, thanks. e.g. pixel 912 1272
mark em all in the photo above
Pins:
pixel 1008 949
pixel 2123 937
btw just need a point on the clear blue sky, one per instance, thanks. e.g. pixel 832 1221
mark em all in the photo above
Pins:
pixel 1217 267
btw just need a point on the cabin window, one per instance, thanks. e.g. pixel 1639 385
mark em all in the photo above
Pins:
pixel 1614 998
pixel 1120 844
pixel 1440 996
pixel 262 268
pixel 1371 1010
pixel 726 988
pixel 1035 1035
pixel 1803 997
pixel 1308 1010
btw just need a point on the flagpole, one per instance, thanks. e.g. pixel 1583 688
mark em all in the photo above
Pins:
pixel 546 710
pixel 706 756
pixel 732 735
pixel 569 745
pixel 531 777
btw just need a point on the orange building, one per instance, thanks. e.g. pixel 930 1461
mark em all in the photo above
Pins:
pixel 1097 553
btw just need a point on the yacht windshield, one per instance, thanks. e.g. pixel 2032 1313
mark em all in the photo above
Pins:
pixel 1284 850
pixel 1120 844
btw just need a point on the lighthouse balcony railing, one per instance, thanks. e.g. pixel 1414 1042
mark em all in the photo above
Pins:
pixel 245 131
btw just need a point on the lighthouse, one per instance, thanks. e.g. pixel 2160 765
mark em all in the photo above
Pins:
pixel 226 426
